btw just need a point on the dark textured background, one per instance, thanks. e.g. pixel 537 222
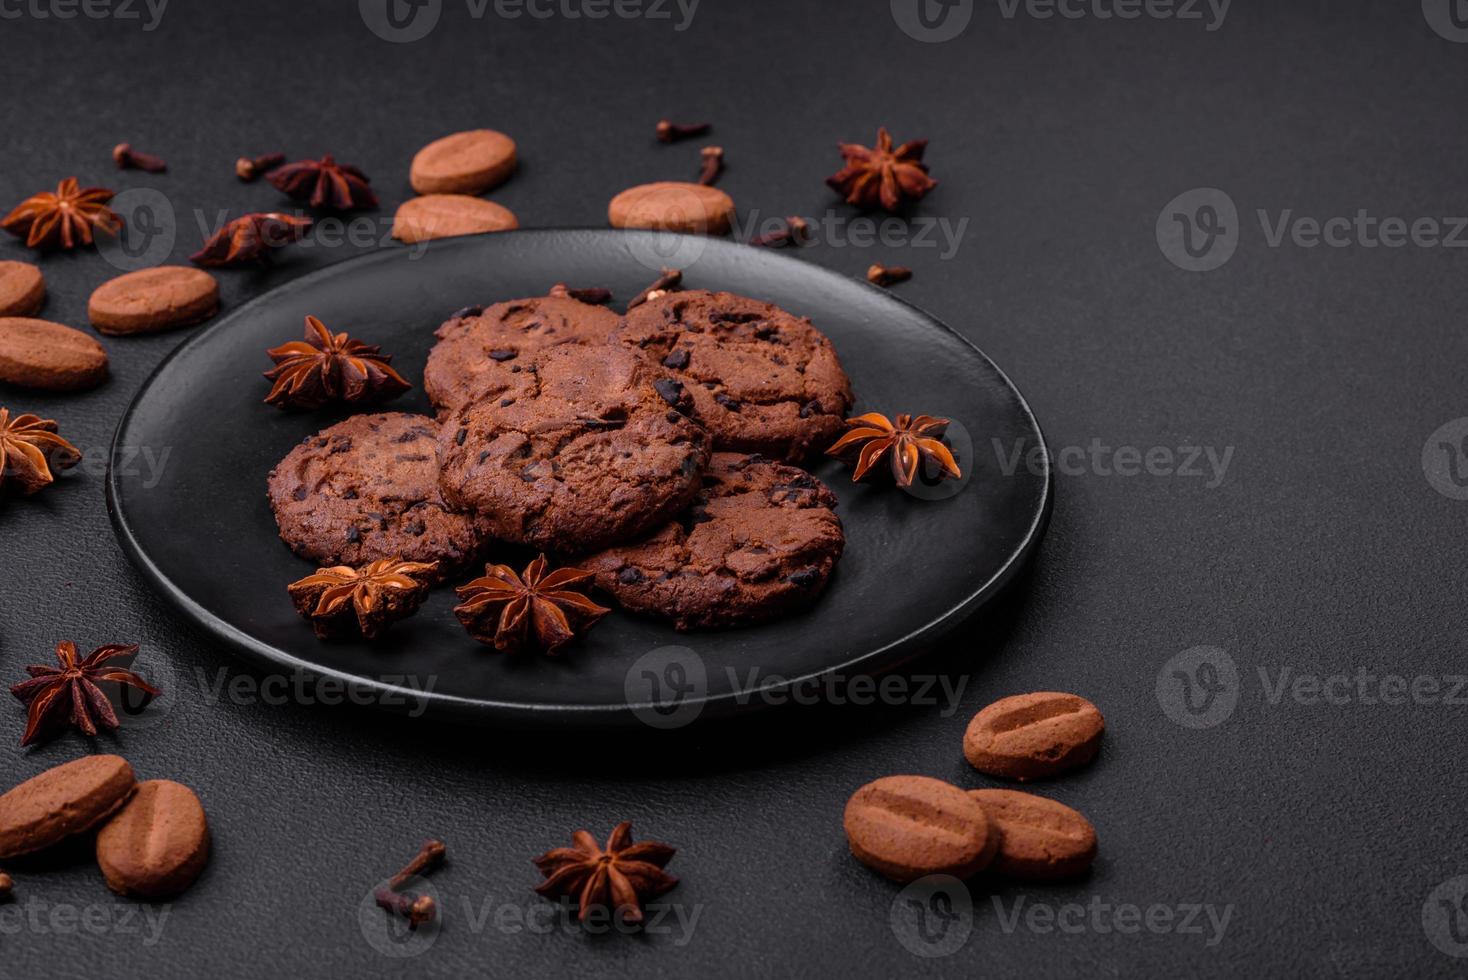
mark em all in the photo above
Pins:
pixel 1324 550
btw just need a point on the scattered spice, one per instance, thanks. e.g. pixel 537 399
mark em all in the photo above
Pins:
pixel 593 295
pixel 328 367
pixel 251 238
pixel 881 175
pixel 713 165
pixel 541 610
pixel 885 275
pixel 51 691
pixel 911 440
pixel 67 218
pixel 6 886
pixel 341 599
pixel 253 168
pixel 671 132
pixel 795 231
pixel 621 878
pixel 127 158
pixel 325 183
pixel 29 450
pixel 670 279
pixel 417 909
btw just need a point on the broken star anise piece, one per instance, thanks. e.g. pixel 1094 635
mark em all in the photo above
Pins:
pixel 71 691
pixel 251 238
pixel 369 599
pixel 881 175
pixel 66 218
pixel 327 367
pixel 910 440
pixel 621 878
pixel 29 450
pixel 539 611
pixel 325 183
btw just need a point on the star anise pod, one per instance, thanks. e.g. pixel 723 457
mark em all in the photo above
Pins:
pixel 66 218
pixel 910 441
pixel 52 692
pixel 328 367
pixel 540 610
pixel 370 599
pixel 325 183
pixel 882 175
pixel 29 450
pixel 620 878
pixel 251 238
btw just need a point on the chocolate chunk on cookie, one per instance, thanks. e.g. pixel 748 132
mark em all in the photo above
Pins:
pixel 581 451
pixel 479 353
pixel 367 488
pixel 761 379
pixel 759 542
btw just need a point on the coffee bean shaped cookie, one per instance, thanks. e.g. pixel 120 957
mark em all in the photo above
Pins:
pixel 908 827
pixel 481 353
pixel 49 356
pixel 367 488
pixel 158 843
pixel 588 446
pixel 62 801
pixel 762 380
pixel 693 209
pixel 1039 839
pixel 22 288
pixel 470 162
pixel 149 300
pixel 760 541
pixel 420 219
pixel 1031 736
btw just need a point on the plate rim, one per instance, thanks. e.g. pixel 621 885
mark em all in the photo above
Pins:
pixel 488 711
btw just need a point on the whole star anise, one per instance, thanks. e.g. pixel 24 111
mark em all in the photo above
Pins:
pixel 66 218
pixel 29 450
pixel 251 238
pixel 540 610
pixel 369 599
pixel 910 440
pixel 620 878
pixel 328 367
pixel 325 183
pixel 53 691
pixel 882 175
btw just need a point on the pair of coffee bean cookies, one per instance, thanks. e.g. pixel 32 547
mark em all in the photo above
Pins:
pixel 654 447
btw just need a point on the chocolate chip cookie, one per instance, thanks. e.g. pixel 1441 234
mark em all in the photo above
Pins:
pixel 759 542
pixel 762 380
pixel 587 446
pixel 480 351
pixel 367 488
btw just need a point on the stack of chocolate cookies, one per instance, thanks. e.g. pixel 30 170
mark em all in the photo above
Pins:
pixel 654 449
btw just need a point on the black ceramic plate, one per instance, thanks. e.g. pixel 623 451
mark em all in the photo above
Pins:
pixel 915 563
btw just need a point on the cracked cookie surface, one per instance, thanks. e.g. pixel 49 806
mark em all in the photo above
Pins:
pixel 586 446
pixel 478 354
pixel 760 541
pixel 762 380
pixel 367 488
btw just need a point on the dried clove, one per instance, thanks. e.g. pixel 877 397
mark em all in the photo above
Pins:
pixel 6 886
pixel 127 158
pixel 253 168
pixel 713 165
pixel 417 909
pixel 670 279
pixel 430 856
pixel 885 275
pixel 795 231
pixel 671 132
pixel 593 295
